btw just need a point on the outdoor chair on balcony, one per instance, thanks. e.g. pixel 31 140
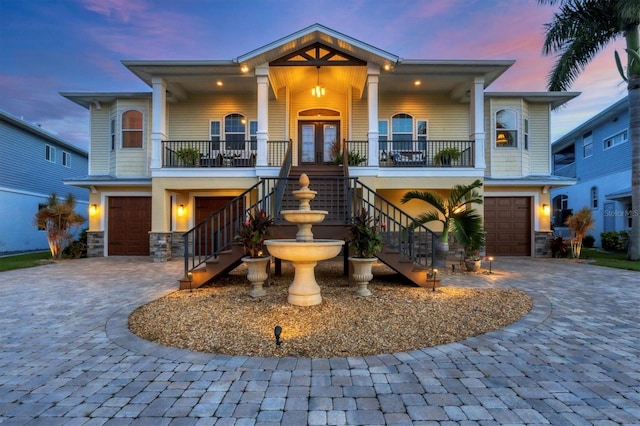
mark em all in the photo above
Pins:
pixel 214 159
pixel 408 158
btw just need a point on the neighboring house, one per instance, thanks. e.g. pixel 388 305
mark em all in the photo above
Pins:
pixel 597 154
pixel 33 167
pixel 238 116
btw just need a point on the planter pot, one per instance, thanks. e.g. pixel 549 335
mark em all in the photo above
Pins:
pixel 442 251
pixel 472 265
pixel 257 274
pixel 362 274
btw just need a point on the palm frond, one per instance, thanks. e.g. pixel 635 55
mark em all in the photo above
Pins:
pixel 428 197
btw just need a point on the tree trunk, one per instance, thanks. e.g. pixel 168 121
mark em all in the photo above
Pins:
pixel 634 138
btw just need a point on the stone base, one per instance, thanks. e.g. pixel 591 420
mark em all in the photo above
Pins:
pixel 160 246
pixel 95 243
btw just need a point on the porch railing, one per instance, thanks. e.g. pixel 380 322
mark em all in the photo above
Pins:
pixel 219 153
pixel 417 153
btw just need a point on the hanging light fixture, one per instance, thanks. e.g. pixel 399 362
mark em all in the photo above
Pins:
pixel 317 91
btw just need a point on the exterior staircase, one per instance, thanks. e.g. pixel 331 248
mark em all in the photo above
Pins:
pixel 409 246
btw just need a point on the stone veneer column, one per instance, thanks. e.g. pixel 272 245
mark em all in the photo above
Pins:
pixel 95 243
pixel 542 244
pixel 160 246
pixel 177 244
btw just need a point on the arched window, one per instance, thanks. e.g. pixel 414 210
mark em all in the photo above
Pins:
pixel 402 132
pixel 506 129
pixel 235 131
pixel 132 129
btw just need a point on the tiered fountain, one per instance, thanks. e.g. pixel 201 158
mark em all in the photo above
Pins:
pixel 304 252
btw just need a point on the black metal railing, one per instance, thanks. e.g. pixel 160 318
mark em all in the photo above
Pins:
pixel 414 241
pixel 431 153
pixel 219 153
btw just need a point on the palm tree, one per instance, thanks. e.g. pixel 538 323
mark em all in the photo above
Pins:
pixel 452 213
pixel 577 33
pixel 579 224
pixel 58 218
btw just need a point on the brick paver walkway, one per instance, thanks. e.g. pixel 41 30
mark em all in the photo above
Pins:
pixel 67 357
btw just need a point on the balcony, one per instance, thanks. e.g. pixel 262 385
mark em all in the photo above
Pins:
pixel 420 153
pixel 190 154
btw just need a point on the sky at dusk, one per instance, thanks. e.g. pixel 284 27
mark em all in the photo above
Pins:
pixel 48 46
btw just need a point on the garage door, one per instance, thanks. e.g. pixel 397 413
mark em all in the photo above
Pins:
pixel 507 221
pixel 129 225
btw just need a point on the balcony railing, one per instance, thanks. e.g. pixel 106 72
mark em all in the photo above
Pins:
pixel 219 153
pixel 420 153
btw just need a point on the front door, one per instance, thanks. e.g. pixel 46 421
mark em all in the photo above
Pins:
pixel 316 141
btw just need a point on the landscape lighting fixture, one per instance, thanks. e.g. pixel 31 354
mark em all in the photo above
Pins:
pixel 490 260
pixel 435 272
pixel 277 332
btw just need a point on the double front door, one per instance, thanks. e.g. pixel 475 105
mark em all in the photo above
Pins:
pixel 316 139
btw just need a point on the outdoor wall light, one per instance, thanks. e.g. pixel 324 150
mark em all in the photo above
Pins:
pixel 545 209
pixel 277 332
pixel 93 209
pixel 180 209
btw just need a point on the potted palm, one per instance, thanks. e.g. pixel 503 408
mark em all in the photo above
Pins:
pixel 365 240
pixel 251 235
pixel 446 156
pixel 469 232
pixel 449 212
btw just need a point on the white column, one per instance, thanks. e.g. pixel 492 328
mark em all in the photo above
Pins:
pixel 158 121
pixel 373 73
pixel 262 135
pixel 476 122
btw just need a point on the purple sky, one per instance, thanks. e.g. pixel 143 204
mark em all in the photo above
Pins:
pixel 52 46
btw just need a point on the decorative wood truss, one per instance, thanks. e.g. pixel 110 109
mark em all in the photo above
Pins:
pixel 317 54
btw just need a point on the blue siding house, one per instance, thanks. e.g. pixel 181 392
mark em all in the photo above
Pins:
pixel 598 155
pixel 34 165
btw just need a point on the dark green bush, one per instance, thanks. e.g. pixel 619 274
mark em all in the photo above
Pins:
pixel 588 241
pixel 614 241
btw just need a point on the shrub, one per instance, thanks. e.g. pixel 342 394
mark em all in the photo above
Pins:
pixel 614 241
pixel 559 247
pixel 588 241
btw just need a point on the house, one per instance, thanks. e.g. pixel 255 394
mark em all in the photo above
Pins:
pixel 209 131
pixel 597 155
pixel 35 163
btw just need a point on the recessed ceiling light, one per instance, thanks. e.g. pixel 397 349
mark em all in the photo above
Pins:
pixel 417 83
pixel 244 68
pixel 218 83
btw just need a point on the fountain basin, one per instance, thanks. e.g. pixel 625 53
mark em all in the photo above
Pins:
pixel 304 216
pixel 304 255
pixel 304 251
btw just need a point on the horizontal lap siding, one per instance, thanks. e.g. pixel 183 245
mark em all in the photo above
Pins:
pixel 539 143
pixel 100 150
pixel 25 168
pixel 135 161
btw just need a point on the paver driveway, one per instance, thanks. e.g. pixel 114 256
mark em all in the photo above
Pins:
pixel 66 357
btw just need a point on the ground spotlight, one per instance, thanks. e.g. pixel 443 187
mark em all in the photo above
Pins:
pixel 277 332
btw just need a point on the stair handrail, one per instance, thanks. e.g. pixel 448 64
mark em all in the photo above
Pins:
pixel 281 184
pixel 401 231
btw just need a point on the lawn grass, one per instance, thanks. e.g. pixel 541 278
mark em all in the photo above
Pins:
pixel 611 260
pixel 26 260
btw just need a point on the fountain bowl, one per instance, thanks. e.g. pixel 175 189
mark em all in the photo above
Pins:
pixel 304 251
pixel 304 216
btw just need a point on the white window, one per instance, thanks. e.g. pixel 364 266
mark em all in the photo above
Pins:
pixel 214 133
pixel 506 129
pixel 587 145
pixel 132 129
pixel 235 126
pixel 66 159
pixel 383 135
pixel 526 133
pixel 402 132
pixel 50 153
pixel 113 134
pixel 614 140
pixel 594 197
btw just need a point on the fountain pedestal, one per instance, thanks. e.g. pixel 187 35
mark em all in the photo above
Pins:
pixel 304 252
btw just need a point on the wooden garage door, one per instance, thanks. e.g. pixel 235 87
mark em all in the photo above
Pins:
pixel 507 221
pixel 129 225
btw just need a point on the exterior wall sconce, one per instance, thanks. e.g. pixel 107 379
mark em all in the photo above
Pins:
pixel 180 209
pixel 545 209
pixel 93 209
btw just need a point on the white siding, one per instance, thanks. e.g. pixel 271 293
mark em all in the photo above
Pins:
pixel 100 141
pixel 539 143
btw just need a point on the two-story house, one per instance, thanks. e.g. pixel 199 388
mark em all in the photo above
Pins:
pixel 597 155
pixel 162 161
pixel 34 166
